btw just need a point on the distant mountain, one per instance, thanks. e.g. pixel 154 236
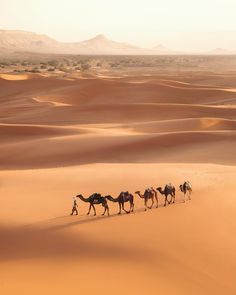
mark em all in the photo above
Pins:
pixel 22 41
pixel 17 41
pixel 221 51
pixel 102 45
pixel 27 41
pixel 161 49
pixel 32 42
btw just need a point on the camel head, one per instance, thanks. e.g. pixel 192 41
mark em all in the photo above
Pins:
pixel 79 196
pixel 139 194
pixel 159 188
pixel 108 197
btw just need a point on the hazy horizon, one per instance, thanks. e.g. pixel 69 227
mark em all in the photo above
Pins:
pixel 179 25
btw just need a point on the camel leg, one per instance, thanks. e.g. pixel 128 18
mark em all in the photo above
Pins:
pixel 119 208
pixel 105 209
pixel 94 210
pixel 173 198
pixel 145 204
pixel 89 209
pixel 152 204
pixel 190 192
pixel 184 196
pixel 131 207
pixel 165 201
pixel 124 209
pixel 170 199
pixel 156 201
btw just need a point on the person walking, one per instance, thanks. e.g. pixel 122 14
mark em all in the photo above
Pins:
pixel 74 208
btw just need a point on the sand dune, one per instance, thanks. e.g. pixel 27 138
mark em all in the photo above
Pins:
pixel 83 149
pixel 14 77
pixel 65 136
pixel 17 133
pixel 53 103
pixel 182 125
pixel 109 91
pixel 115 113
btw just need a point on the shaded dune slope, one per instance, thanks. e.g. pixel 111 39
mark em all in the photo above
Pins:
pixel 74 150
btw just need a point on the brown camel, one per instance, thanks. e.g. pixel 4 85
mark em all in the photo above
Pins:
pixel 149 194
pixel 122 199
pixel 168 190
pixel 95 199
pixel 186 188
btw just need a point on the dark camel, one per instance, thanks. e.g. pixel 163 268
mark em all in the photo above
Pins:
pixel 186 187
pixel 122 199
pixel 95 199
pixel 168 190
pixel 149 194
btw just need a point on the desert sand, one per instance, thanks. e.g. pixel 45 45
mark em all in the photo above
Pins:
pixel 65 136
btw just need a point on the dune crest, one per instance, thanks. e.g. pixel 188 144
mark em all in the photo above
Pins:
pixel 11 77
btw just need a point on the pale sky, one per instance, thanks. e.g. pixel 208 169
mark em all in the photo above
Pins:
pixel 178 24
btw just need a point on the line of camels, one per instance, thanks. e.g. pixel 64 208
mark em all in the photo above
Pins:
pixel 125 197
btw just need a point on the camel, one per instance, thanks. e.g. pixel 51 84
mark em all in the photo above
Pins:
pixel 122 199
pixel 186 187
pixel 168 190
pixel 149 194
pixel 95 199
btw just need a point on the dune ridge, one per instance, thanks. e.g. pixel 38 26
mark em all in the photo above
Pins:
pixel 79 149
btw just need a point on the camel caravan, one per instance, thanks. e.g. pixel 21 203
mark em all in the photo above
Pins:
pixel 149 194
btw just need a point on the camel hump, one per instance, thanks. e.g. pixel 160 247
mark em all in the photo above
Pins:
pixel 124 193
pixel 169 185
pixel 96 195
pixel 188 184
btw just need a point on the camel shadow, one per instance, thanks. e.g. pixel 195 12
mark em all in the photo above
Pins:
pixel 19 243
pixel 94 219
